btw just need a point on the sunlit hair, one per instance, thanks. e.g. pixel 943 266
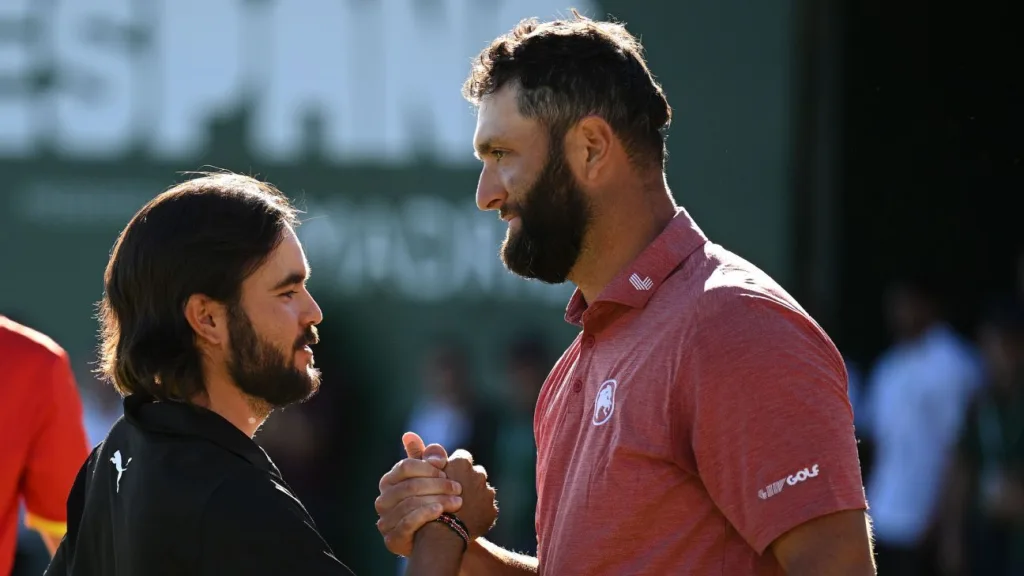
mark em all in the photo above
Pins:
pixel 566 70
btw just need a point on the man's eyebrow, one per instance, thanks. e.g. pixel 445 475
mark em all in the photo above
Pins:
pixel 291 279
pixel 483 149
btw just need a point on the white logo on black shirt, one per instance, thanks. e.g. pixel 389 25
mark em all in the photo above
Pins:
pixel 120 469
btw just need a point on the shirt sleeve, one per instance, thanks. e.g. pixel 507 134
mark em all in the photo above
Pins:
pixel 59 448
pixel 773 434
pixel 255 527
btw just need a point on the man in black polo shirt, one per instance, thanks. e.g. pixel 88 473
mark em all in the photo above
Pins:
pixel 206 328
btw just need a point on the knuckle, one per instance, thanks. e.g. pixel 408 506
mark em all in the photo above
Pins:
pixel 406 524
pixel 408 505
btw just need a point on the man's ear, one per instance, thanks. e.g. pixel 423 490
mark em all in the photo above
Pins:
pixel 592 141
pixel 208 319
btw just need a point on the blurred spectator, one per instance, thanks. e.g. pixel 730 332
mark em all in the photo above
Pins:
pixel 44 444
pixel 448 410
pixel 920 390
pixel 984 532
pixel 514 468
pixel 101 407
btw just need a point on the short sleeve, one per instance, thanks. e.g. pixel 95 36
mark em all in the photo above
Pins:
pixel 772 434
pixel 58 449
pixel 255 527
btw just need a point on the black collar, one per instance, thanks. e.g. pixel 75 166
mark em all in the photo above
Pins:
pixel 184 419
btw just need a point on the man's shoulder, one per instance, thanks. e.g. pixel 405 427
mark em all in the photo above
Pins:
pixel 249 494
pixel 179 470
pixel 26 344
pixel 718 273
pixel 719 288
pixel 253 523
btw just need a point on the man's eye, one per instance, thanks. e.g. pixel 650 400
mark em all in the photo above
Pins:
pixel 290 293
pixel 498 154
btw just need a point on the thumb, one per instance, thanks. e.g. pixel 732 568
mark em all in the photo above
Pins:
pixel 436 455
pixel 413 445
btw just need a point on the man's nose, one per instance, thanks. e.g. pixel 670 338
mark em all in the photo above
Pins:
pixel 314 315
pixel 490 193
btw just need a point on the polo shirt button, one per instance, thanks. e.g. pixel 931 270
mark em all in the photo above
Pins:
pixel 588 341
pixel 577 385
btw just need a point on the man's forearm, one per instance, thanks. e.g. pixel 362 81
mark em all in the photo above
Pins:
pixel 436 551
pixel 486 559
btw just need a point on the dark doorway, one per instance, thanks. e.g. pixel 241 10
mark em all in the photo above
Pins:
pixel 931 165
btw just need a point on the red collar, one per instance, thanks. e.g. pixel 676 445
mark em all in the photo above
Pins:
pixel 637 282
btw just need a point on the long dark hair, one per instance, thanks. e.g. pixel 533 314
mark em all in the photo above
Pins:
pixel 204 236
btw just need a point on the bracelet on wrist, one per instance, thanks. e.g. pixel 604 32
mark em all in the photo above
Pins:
pixel 455 525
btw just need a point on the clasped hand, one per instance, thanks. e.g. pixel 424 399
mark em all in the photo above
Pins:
pixel 428 483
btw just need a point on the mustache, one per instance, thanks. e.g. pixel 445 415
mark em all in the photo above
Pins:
pixel 310 338
pixel 508 211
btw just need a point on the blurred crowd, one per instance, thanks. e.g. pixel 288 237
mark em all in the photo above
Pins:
pixel 939 416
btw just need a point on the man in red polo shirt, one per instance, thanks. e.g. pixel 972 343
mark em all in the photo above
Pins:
pixel 42 433
pixel 699 423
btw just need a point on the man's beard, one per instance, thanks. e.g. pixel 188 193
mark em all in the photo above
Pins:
pixel 553 219
pixel 268 376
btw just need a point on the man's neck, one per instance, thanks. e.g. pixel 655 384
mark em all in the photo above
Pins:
pixel 223 397
pixel 619 234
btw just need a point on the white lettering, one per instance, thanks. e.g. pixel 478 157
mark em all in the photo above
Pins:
pixel 310 78
pixel 94 100
pixel 354 81
pixel 414 249
pixel 425 109
pixel 802 475
pixel 383 247
pixel 198 44
pixel 16 66
pixel 474 247
pixel 428 275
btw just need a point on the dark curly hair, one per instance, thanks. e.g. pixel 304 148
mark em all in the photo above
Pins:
pixel 569 69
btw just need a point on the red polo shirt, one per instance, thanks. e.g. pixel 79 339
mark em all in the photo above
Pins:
pixel 699 415
pixel 42 438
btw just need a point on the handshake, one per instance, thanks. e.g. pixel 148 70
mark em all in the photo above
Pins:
pixel 427 484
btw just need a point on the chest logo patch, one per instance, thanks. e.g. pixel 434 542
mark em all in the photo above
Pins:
pixel 121 468
pixel 604 403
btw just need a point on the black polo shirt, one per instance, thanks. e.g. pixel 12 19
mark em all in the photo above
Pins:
pixel 176 489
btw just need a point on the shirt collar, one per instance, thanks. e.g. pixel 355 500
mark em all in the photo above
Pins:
pixel 183 419
pixel 637 282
